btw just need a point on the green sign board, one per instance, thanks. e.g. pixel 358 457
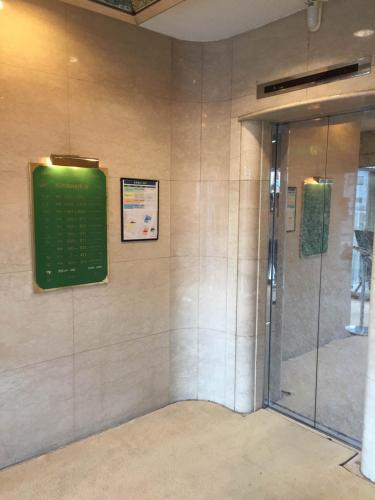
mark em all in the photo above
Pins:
pixel 315 218
pixel 70 226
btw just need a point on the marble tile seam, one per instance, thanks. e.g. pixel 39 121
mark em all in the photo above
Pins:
pixel 75 353
pixel 206 101
pixel 198 181
pixel 192 329
pixel 38 363
pixel 161 179
pixel 123 342
pixel 140 259
pixel 111 261
pixel 129 91
pixel 26 270
pixel 203 329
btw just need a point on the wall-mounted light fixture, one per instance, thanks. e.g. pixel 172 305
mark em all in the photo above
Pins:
pixel 317 180
pixel 74 161
pixel 314 14
pixel 312 180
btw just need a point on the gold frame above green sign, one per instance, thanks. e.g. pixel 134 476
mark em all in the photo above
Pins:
pixel 69 216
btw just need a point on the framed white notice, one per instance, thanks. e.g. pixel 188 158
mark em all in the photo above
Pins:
pixel 290 222
pixel 139 209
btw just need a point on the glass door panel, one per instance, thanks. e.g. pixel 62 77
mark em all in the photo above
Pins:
pixel 298 237
pixel 319 280
pixel 345 279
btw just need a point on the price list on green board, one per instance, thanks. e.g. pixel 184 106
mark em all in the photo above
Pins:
pixel 70 226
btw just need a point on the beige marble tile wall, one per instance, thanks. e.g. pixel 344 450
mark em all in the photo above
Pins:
pixel 285 47
pixel 219 249
pixel 255 156
pixel 74 81
pixel 222 296
pixel 76 361
pixel 216 186
pixel 185 217
pixel 204 205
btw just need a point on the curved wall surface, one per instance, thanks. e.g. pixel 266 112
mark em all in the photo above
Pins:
pixel 183 317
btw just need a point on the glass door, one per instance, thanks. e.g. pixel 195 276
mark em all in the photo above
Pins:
pixel 322 201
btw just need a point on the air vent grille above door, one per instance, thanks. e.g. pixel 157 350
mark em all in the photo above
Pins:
pixel 360 67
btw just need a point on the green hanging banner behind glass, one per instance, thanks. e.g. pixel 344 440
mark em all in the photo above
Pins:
pixel 70 226
pixel 315 217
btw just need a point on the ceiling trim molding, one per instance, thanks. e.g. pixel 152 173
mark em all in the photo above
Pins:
pixel 142 16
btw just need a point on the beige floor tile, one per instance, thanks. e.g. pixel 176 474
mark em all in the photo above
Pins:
pixel 193 450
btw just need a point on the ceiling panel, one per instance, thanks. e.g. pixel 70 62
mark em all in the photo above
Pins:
pixel 208 20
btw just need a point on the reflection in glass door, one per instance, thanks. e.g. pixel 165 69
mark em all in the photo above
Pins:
pixel 323 212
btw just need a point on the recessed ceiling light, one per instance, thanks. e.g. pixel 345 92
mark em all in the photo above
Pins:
pixel 363 33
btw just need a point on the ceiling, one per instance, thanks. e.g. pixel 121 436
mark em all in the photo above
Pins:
pixel 209 20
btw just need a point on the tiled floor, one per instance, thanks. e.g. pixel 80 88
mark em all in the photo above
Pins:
pixel 193 450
